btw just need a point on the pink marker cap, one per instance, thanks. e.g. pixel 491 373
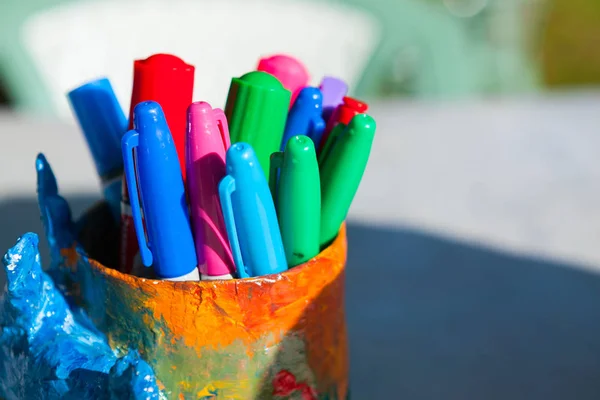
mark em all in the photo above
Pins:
pixel 290 72
pixel 207 142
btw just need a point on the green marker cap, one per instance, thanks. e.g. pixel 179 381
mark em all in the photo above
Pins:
pixel 298 199
pixel 256 110
pixel 341 173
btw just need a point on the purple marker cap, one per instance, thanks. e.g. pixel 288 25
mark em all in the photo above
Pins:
pixel 333 90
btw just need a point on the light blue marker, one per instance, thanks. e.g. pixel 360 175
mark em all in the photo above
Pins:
pixel 250 217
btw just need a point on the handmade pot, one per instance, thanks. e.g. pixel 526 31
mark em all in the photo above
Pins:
pixel 274 337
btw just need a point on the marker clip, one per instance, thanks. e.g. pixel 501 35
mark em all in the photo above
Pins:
pixel 275 166
pixel 226 188
pixel 222 123
pixel 130 141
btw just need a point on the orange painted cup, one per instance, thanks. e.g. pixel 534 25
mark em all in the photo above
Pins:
pixel 279 336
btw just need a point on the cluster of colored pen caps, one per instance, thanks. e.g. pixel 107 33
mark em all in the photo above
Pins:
pixel 209 194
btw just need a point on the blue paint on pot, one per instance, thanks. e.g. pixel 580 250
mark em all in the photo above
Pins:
pixel 45 353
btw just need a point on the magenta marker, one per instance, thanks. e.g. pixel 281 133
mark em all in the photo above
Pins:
pixel 205 147
pixel 290 72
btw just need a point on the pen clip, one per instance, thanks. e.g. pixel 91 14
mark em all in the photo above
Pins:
pixel 274 166
pixel 130 141
pixel 226 188
pixel 223 127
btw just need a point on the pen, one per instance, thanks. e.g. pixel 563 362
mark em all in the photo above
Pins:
pixel 337 122
pixel 342 172
pixel 207 142
pixel 250 216
pixel 168 80
pixel 333 90
pixel 256 110
pixel 304 117
pixel 298 199
pixel 289 70
pixel 103 123
pixel 170 246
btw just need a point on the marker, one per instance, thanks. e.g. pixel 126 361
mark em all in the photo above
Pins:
pixel 169 81
pixel 103 123
pixel 298 199
pixel 337 122
pixel 289 70
pixel 207 143
pixel 341 174
pixel 305 117
pixel 257 107
pixel 250 216
pixel 170 246
pixel 333 90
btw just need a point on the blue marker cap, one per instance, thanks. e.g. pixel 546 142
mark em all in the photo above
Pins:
pixel 103 123
pixel 250 217
pixel 305 117
pixel 170 247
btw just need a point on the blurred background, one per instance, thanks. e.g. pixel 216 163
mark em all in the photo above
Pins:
pixel 385 48
pixel 474 239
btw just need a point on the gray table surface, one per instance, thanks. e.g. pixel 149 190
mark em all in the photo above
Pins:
pixel 473 244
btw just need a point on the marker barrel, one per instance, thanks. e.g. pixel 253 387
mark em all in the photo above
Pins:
pixel 168 80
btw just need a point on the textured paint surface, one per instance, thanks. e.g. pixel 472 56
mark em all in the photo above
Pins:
pixel 279 336
pixel 45 353
pixel 231 338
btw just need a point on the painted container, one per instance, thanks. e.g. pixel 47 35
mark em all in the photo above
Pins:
pixel 275 337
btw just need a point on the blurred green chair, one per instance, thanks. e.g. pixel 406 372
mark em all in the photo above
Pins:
pixel 453 48
pixel 419 48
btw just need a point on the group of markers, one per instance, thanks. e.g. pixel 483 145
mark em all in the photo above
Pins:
pixel 268 182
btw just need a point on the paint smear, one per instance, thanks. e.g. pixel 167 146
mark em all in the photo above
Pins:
pixel 46 353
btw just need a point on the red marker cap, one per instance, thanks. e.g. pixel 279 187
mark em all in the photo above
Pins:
pixel 348 109
pixel 169 81
pixel 343 115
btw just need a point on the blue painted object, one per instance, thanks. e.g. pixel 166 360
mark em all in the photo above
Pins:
pixel 305 117
pixel 170 249
pixel 250 216
pixel 56 214
pixel 45 353
pixel 103 123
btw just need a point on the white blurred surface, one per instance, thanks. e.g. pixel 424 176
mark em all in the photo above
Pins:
pixel 522 175
pixel 69 44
